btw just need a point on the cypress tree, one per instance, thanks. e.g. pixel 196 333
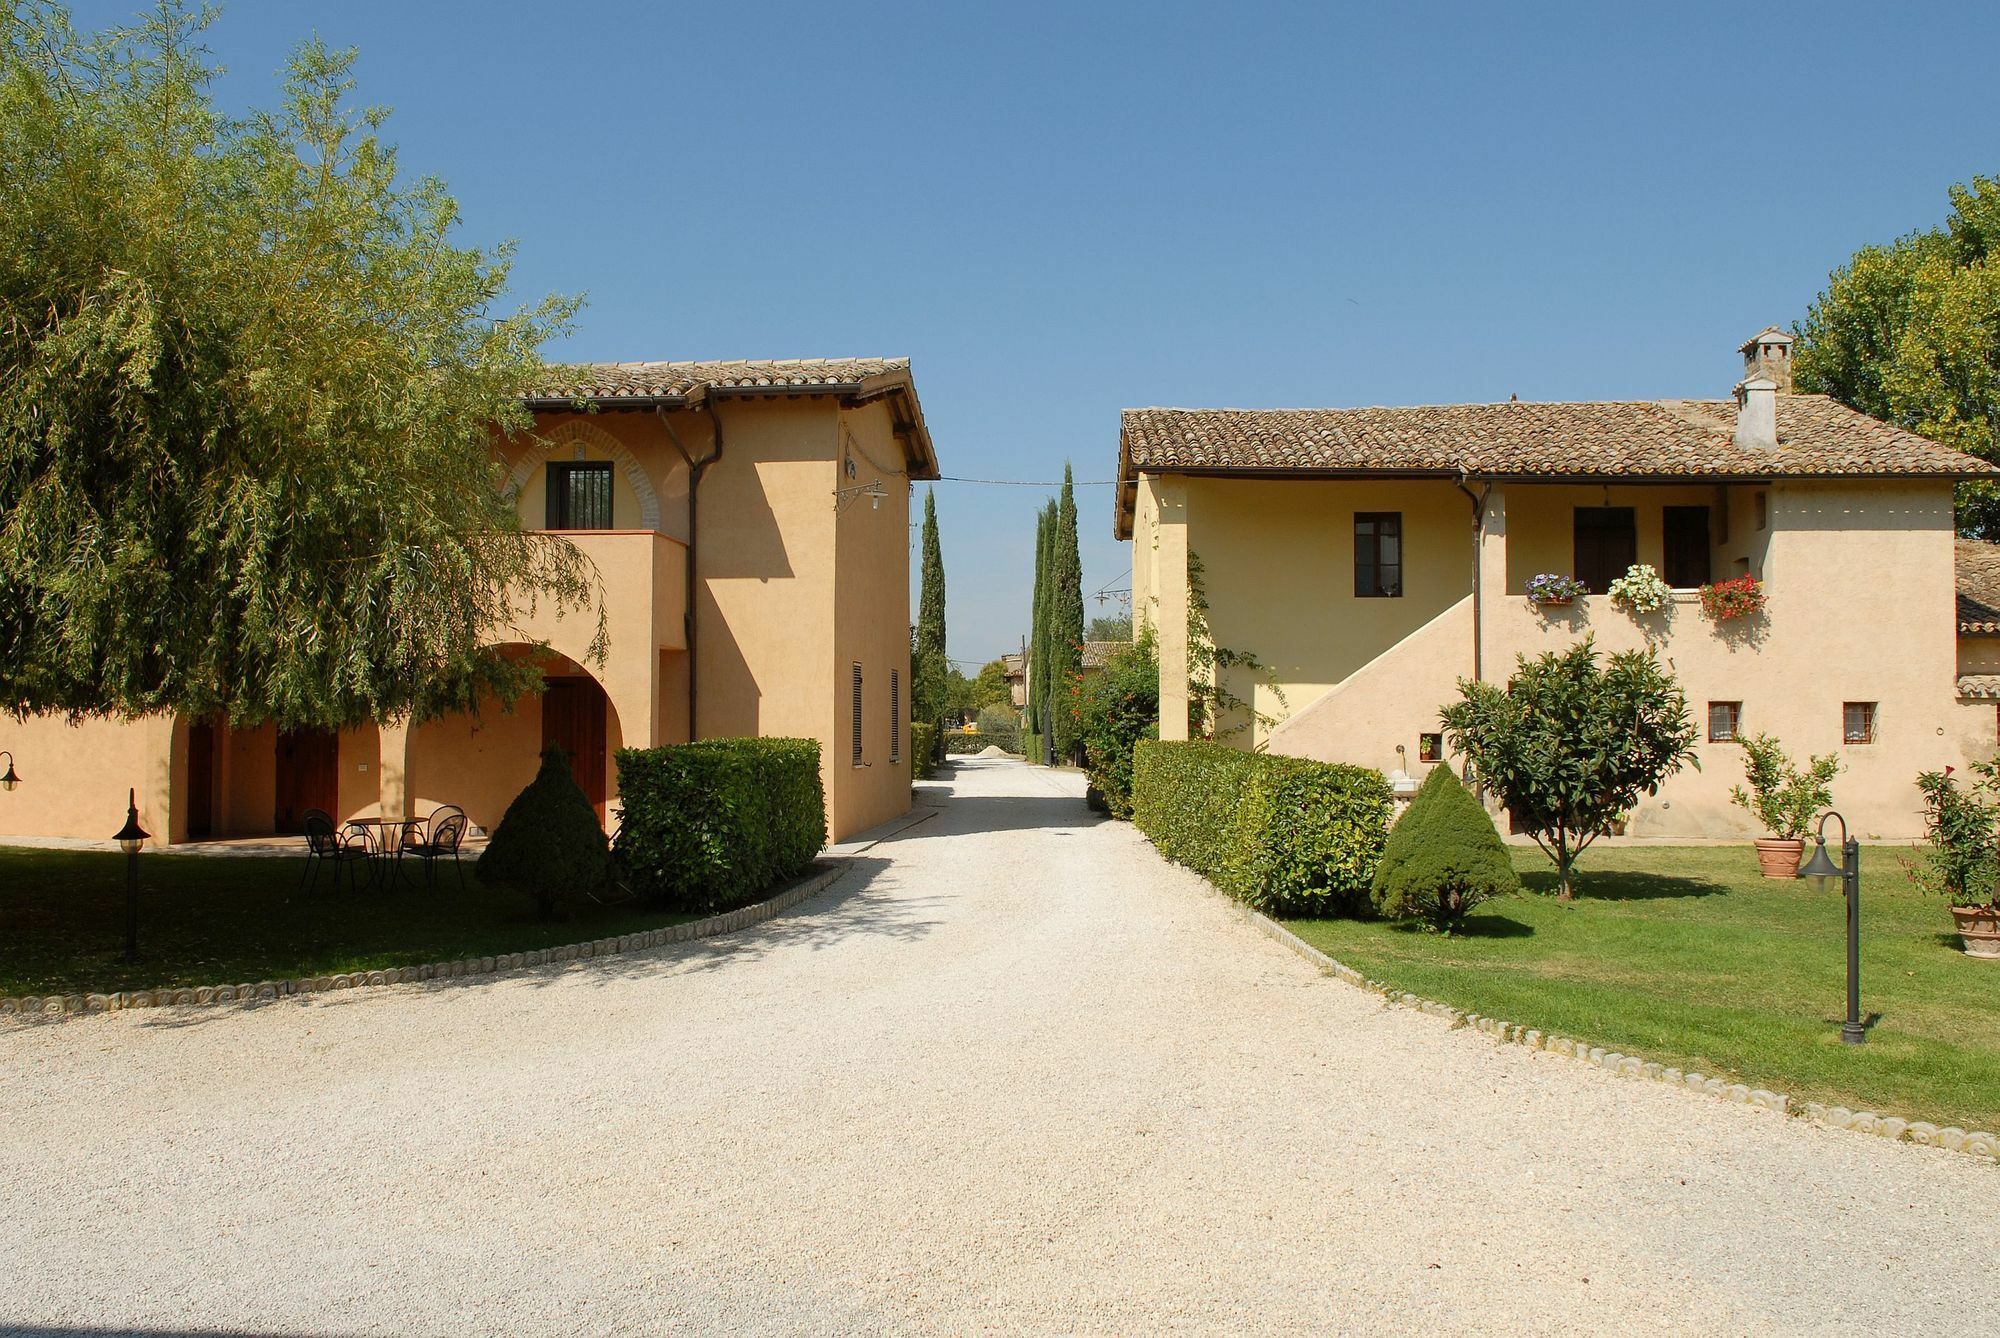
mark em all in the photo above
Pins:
pixel 1065 617
pixel 929 669
pixel 1038 638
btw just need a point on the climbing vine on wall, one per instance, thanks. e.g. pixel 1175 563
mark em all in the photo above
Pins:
pixel 1210 702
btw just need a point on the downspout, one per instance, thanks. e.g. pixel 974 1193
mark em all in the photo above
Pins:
pixel 1478 501
pixel 696 468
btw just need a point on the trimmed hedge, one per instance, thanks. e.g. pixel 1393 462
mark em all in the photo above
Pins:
pixel 712 825
pixel 958 743
pixel 1443 858
pixel 923 748
pixel 1286 835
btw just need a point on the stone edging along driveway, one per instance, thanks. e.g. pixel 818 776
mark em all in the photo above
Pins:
pixel 29 1007
pixel 1952 1138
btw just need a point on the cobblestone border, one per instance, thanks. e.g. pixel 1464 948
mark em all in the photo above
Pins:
pixel 1950 1137
pixel 37 1007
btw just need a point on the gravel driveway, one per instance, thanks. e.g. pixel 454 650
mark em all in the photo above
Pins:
pixel 1014 1072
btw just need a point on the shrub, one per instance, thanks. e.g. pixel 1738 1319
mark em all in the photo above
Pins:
pixel 1286 835
pixel 1551 587
pixel 1961 860
pixel 923 748
pixel 1116 708
pixel 711 825
pixel 1443 858
pixel 1002 725
pixel 1781 796
pixel 549 843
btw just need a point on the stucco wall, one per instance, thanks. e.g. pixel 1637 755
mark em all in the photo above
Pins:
pixel 871 626
pixel 74 776
pixel 1278 563
pixel 1859 581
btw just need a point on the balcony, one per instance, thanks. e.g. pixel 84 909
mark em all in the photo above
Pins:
pixel 644 576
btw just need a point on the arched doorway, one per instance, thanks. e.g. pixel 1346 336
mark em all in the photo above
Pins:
pixel 480 760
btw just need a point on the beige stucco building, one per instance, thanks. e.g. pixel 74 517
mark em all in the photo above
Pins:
pixel 750 521
pixel 1371 558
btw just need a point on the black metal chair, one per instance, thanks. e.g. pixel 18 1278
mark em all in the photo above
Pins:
pixel 443 835
pixel 324 845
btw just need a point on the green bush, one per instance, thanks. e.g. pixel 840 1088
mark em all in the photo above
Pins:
pixel 923 748
pixel 549 843
pixel 1782 795
pixel 1001 724
pixel 1116 708
pixel 712 825
pixel 1443 858
pixel 1286 835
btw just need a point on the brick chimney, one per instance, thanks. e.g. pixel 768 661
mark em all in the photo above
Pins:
pixel 1769 354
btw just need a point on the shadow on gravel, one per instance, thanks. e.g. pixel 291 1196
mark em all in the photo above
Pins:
pixel 967 814
pixel 854 907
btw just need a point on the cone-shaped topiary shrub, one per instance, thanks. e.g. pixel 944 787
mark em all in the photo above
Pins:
pixel 1443 858
pixel 550 843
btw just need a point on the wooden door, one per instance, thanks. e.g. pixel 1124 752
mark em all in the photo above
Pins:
pixel 573 720
pixel 201 781
pixel 308 776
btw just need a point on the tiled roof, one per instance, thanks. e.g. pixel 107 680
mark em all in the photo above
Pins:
pixel 676 380
pixel 638 385
pixel 1095 653
pixel 1979 685
pixel 1978 568
pixel 1656 439
pixel 1015 665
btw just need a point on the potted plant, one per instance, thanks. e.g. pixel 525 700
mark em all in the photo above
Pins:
pixel 1961 860
pixel 1552 590
pixel 1725 601
pixel 1640 589
pixel 1783 797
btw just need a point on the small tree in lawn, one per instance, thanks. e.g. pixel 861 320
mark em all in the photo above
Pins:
pixel 1784 796
pixel 1443 858
pixel 550 843
pixel 1572 743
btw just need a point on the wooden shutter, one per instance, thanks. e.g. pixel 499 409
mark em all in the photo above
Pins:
pixel 857 715
pixel 895 715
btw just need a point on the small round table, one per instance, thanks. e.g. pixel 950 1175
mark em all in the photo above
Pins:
pixel 385 858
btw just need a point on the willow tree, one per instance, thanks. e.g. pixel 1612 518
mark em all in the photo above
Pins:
pixel 249 389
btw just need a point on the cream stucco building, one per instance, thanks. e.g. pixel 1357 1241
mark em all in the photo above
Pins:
pixel 750 521
pixel 1371 558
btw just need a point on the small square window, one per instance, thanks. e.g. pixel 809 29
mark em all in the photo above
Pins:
pixel 1857 722
pixel 1725 721
pixel 1430 747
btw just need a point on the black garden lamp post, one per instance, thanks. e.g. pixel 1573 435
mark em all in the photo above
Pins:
pixel 1820 868
pixel 130 837
pixel 10 780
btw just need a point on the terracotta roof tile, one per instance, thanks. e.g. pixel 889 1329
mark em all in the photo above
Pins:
pixel 1095 653
pixel 1978 571
pixel 1631 439
pixel 1979 685
pixel 673 380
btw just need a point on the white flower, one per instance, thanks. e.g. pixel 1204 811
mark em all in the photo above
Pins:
pixel 1640 589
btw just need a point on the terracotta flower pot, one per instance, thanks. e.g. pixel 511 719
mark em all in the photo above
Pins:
pixel 1779 859
pixel 1979 930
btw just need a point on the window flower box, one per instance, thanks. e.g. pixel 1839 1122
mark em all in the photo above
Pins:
pixel 1725 601
pixel 1640 590
pixel 1553 590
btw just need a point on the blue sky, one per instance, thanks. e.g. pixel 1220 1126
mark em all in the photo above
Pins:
pixel 1061 211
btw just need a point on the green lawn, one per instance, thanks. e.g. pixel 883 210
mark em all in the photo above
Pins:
pixel 206 920
pixel 1686 956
